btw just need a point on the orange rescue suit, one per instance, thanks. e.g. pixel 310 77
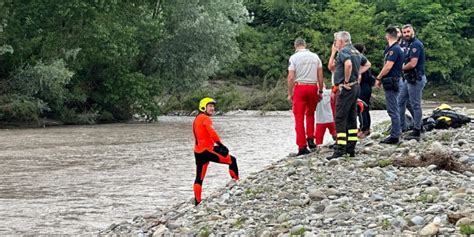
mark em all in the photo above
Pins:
pixel 204 134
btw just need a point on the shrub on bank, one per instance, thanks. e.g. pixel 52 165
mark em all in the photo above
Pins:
pixel 20 108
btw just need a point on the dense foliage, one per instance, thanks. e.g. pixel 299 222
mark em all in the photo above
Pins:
pixel 88 61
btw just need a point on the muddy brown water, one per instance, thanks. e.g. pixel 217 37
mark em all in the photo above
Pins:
pixel 81 179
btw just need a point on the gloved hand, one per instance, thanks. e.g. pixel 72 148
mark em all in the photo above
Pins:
pixel 221 149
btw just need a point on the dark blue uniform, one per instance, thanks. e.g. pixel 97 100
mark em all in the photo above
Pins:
pixel 412 92
pixel 415 49
pixel 395 54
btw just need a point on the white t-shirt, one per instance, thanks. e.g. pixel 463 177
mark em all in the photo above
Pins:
pixel 323 110
pixel 305 64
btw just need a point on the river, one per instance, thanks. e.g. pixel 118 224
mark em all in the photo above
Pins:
pixel 81 179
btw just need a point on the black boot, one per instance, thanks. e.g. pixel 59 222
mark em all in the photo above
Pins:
pixel 311 144
pixel 390 140
pixel 350 148
pixel 339 151
pixel 303 151
pixel 415 134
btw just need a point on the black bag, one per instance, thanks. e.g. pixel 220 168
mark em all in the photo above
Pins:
pixel 390 83
pixel 412 76
pixel 449 119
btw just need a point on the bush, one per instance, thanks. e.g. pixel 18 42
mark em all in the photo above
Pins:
pixel 70 116
pixel 44 81
pixel 21 108
pixel 269 100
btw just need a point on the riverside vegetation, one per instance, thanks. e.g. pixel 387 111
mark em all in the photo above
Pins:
pixel 84 62
pixel 370 194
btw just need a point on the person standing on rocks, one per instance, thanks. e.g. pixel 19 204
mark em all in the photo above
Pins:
pixel 347 68
pixel 305 87
pixel 415 80
pixel 390 77
pixel 366 83
pixel 208 147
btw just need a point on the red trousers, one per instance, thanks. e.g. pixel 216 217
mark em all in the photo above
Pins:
pixel 305 99
pixel 321 130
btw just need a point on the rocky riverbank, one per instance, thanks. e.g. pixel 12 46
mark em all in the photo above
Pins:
pixel 310 195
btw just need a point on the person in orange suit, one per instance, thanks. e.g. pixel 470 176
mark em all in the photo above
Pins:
pixel 208 147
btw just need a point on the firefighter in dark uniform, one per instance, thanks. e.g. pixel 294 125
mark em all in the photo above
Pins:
pixel 347 66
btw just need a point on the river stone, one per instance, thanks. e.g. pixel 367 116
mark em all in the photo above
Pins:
pixel 369 233
pixel 459 195
pixel 398 222
pixel 297 229
pixel 297 163
pixel 333 162
pixel 317 195
pixel 388 151
pixel 376 197
pixel 319 208
pixel 295 202
pixel 430 229
pixel 417 220
pixel 282 217
pixel 432 190
pixel 465 221
pixel 437 147
pixel 374 172
pixel 331 192
pixel 390 176
pixel 375 135
pixel 434 209
pixel 159 231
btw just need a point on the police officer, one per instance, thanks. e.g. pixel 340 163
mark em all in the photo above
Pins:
pixel 414 80
pixel 390 77
pixel 347 68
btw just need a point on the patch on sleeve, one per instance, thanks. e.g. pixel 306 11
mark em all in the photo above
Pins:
pixel 413 50
pixel 390 53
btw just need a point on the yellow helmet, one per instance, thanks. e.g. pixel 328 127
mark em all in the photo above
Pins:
pixel 204 102
pixel 444 107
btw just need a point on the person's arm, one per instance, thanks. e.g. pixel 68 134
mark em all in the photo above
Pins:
pixel 386 68
pixel 320 79
pixel 291 83
pixel 347 70
pixel 211 131
pixel 365 67
pixel 414 55
pixel 410 65
pixel 332 59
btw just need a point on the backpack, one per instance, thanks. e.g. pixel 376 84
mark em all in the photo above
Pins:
pixel 449 119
